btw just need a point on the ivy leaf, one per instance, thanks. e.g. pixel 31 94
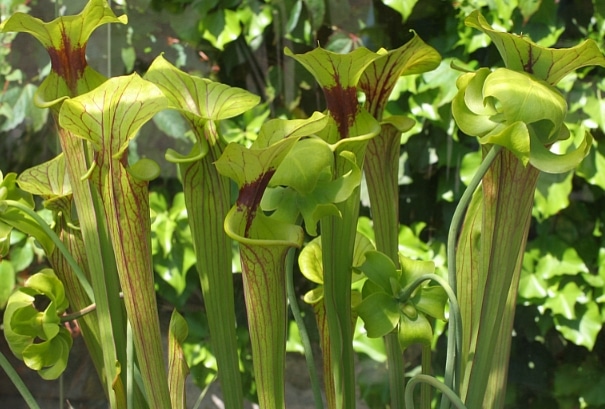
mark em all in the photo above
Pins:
pixel 317 12
pixel 558 258
pixel 528 8
pixel 552 194
pixel 21 109
pixel 564 301
pixel 592 168
pixel 533 286
pixel 221 27
pixel 583 331
pixel 403 7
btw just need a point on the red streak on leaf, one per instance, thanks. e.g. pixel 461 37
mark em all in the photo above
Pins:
pixel 342 104
pixel 251 194
pixel 69 61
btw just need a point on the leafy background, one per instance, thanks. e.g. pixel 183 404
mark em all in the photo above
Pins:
pixel 558 352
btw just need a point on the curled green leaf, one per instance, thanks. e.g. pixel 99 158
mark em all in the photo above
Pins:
pixel 32 324
pixel 519 112
pixel 402 304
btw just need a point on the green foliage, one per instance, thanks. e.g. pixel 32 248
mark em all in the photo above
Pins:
pixel 241 43
pixel 385 308
pixel 171 243
pixel 33 327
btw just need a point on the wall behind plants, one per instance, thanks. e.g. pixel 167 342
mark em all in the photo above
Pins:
pixel 558 357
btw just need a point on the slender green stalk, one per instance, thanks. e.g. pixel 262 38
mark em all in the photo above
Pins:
pixel 460 211
pixel 425 389
pixel 53 236
pixel 79 314
pixel 18 382
pixel 447 392
pixel 304 336
pixel 396 369
pixel 453 364
pixel 454 345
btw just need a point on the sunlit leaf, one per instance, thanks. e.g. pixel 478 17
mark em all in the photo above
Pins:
pixel 584 330
pixel 199 97
pixel 552 194
pixel 533 286
pixel 548 64
pixel 563 302
pixel 380 77
pixel 403 7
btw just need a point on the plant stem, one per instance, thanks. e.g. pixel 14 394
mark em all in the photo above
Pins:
pixel 452 371
pixel 304 336
pixel 396 369
pixel 447 392
pixel 459 213
pixel 425 389
pixel 18 382
pixel 454 345
pixel 78 314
